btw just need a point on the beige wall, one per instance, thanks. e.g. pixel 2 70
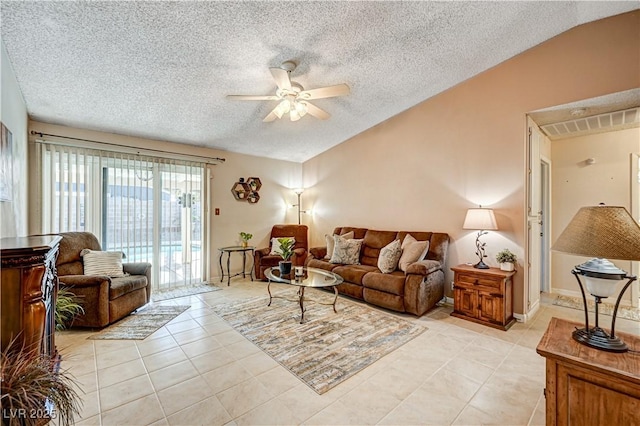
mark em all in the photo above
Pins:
pixel 422 169
pixel 577 184
pixel 13 113
pixel 277 178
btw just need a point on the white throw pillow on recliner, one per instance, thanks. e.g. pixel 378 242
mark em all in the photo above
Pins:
pixel 275 245
pixel 107 263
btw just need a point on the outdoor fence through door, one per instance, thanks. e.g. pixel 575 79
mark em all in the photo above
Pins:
pixel 149 208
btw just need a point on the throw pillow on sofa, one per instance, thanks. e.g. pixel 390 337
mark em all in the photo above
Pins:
pixel 389 257
pixel 107 263
pixel 330 242
pixel 275 246
pixel 412 251
pixel 346 252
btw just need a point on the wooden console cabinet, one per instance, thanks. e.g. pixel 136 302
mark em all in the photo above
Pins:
pixel 484 296
pixel 29 286
pixel 587 386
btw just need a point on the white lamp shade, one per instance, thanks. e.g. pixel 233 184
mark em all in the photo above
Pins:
pixel 601 287
pixel 480 219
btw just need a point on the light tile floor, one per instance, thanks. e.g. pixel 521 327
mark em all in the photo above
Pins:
pixel 199 370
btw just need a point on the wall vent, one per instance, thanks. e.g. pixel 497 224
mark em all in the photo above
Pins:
pixel 616 120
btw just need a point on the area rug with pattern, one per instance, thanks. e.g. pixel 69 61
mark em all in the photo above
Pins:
pixel 158 296
pixel 628 312
pixel 328 347
pixel 141 324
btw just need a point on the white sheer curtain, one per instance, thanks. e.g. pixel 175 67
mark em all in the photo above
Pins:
pixel 150 208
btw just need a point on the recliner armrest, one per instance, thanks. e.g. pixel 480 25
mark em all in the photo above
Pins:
pixel 258 253
pixel 423 267
pixel 138 268
pixel 83 280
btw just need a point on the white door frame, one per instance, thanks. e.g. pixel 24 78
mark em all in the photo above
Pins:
pixel 635 212
pixel 545 266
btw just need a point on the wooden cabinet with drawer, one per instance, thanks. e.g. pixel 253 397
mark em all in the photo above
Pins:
pixel 484 296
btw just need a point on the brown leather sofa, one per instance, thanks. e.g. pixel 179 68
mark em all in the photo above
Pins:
pixel 263 260
pixel 415 291
pixel 105 300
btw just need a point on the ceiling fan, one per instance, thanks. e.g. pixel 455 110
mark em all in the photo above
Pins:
pixel 294 99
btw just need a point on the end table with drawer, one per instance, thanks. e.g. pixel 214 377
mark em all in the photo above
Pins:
pixel 484 296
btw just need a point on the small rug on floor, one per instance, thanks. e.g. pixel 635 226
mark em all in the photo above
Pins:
pixel 328 347
pixel 141 324
pixel 627 312
pixel 158 296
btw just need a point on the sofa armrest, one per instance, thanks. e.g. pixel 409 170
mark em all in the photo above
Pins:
pixel 83 280
pixel 424 267
pixel 318 252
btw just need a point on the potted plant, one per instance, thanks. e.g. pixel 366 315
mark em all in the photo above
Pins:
pixel 67 307
pixel 33 390
pixel 507 260
pixel 286 251
pixel 245 237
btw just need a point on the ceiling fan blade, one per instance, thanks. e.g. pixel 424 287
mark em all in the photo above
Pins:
pixel 325 92
pixel 281 77
pixel 316 112
pixel 251 98
pixel 270 117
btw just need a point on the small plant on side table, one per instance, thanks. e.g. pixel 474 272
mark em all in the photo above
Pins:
pixel 245 237
pixel 507 260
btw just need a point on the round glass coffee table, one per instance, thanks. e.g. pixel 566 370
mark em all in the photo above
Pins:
pixel 311 277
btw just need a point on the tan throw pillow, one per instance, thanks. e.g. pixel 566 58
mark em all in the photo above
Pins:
pixel 107 263
pixel 389 257
pixel 346 252
pixel 412 251
pixel 329 240
pixel 275 245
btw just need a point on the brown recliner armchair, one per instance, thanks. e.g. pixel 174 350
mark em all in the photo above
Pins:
pixel 104 299
pixel 263 260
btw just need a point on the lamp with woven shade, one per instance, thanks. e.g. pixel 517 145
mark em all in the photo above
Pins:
pixel 482 220
pixel 606 232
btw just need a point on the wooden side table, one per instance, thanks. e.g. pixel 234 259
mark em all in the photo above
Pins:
pixel 236 249
pixel 484 296
pixel 587 386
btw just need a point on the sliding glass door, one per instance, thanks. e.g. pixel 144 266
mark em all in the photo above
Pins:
pixel 151 209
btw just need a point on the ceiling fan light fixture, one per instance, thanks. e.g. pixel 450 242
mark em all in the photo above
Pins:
pixel 301 108
pixel 294 115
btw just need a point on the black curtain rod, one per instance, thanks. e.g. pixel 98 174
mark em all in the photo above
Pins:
pixel 33 132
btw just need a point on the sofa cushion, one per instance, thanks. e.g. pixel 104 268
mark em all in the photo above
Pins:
pixel 331 242
pixel 270 261
pixel 389 283
pixel 412 251
pixel 389 257
pixel 354 273
pixel 374 241
pixel 107 263
pixel 346 252
pixel 124 285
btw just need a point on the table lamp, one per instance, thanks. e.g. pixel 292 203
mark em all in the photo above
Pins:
pixel 482 220
pixel 606 232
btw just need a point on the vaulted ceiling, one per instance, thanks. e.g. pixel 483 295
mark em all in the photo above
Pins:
pixel 162 70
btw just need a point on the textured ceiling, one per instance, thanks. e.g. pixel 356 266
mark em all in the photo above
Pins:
pixel 161 70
